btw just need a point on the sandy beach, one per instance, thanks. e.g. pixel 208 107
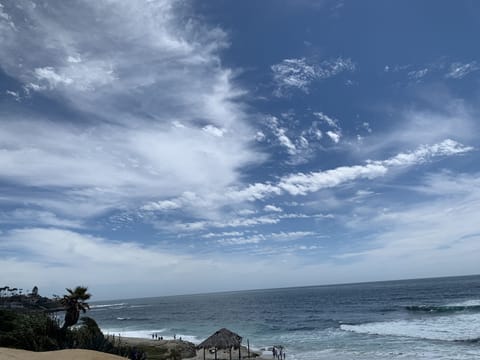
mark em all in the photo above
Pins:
pixel 80 354
pixel 222 354
pixel 71 354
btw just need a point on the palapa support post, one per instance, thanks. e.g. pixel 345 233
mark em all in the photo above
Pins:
pixel 248 348
pixel 230 351
pixel 203 353
pixel 215 353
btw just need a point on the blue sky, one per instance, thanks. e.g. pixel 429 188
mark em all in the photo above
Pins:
pixel 165 147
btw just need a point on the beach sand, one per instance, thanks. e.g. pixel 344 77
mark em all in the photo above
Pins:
pixel 79 354
pixel 73 354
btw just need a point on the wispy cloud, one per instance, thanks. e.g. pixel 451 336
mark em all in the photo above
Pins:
pixel 303 183
pixel 29 255
pixel 448 69
pixel 426 232
pixel 281 135
pixel 460 70
pixel 131 139
pixel 29 217
pixel 417 74
pixel 299 73
pixel 445 117
pixel 295 73
pixel 258 238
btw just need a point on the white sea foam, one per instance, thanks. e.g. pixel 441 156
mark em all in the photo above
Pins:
pixel 468 303
pixel 101 306
pixel 462 327
pixel 147 334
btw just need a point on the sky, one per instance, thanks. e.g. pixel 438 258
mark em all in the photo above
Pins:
pixel 159 147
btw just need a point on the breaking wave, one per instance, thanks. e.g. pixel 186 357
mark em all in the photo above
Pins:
pixel 458 327
pixel 131 319
pixel 468 306
pixel 106 305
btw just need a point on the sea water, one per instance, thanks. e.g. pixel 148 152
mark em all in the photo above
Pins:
pixel 410 319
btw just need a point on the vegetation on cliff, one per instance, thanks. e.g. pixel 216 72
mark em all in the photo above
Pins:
pixel 29 322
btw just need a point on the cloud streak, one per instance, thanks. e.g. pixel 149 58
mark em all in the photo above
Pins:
pixel 304 183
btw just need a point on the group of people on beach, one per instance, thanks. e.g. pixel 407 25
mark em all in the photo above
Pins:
pixel 278 353
pixel 156 337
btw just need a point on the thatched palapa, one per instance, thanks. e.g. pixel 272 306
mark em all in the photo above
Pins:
pixel 222 339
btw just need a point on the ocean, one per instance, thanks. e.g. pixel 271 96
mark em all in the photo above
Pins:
pixel 409 319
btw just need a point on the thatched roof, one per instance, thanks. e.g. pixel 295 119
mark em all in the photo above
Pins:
pixel 222 339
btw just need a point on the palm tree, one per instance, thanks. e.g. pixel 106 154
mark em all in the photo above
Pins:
pixel 74 302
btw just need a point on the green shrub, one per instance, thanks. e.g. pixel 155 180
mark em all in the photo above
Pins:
pixel 29 331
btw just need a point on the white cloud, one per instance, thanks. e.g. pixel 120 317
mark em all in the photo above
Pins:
pixel 281 135
pixel 424 153
pixel 300 184
pixel 366 126
pixel 335 132
pixel 225 233
pixel 260 136
pixel 232 222
pixel 252 192
pixel 425 238
pixel 51 77
pixel 246 212
pixel 213 130
pixel 294 73
pixel 332 67
pixel 150 93
pixel 299 145
pixel 459 70
pixel 335 137
pixel 450 70
pixel 43 257
pixel 299 73
pixel 450 119
pixel 304 183
pixel 44 218
pixel 6 22
pixel 291 235
pixel 327 119
pixel 162 205
pixel 417 74
pixel 14 94
pixel 317 133
pixel 254 239
pixel 272 208
pixel 74 59
pixel 75 75
pixel 258 238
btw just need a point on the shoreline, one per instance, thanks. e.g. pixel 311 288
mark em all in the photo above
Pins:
pixel 169 344
pixel 146 345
